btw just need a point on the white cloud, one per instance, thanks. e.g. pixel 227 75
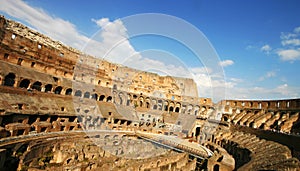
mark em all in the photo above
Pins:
pixel 113 44
pixel 226 63
pixel 283 91
pixel 266 48
pixel 289 54
pixel 269 74
pixel 101 22
pixel 297 30
pixel 56 28
pixel 293 42
pixel 287 36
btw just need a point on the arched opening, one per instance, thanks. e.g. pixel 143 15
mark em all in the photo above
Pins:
pixel 109 99
pixel 177 109
pixel 147 105
pixel 166 107
pixel 69 91
pixel 37 86
pixel 24 83
pixel 216 167
pixel 78 93
pixel 48 88
pixel 121 98
pixel 141 103
pixel 102 97
pixel 86 95
pixel 58 90
pixel 9 79
pixel 171 109
pixel 95 96
pixel 155 107
pixel 197 133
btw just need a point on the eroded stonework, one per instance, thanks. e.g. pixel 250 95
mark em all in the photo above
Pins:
pixel 55 103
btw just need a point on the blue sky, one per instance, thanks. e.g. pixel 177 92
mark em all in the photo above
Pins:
pixel 258 42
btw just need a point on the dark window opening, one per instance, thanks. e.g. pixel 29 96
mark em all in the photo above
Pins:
pixel 86 95
pixel 95 96
pixel 24 83
pixel 55 79
pixel 69 91
pixel 6 55
pixel 20 106
pixel 58 90
pixel 78 93
pixel 9 80
pixel 20 60
pixel 48 88
pixel 109 99
pixel 37 86
pixel 102 97
pixel 32 64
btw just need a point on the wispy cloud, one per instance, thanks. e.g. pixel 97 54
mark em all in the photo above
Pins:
pixel 59 29
pixel 266 48
pixel 269 74
pixel 289 54
pixel 282 91
pixel 291 46
pixel 226 63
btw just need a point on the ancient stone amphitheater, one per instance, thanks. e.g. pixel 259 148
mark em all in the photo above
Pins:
pixel 61 109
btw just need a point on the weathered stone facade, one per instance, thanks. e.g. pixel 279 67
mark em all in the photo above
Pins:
pixel 54 100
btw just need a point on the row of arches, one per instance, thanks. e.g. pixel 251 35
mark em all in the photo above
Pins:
pixel 11 81
pixel 128 99
pixel 122 98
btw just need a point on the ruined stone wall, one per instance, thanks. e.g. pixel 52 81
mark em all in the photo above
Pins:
pixel 287 104
pixel 30 49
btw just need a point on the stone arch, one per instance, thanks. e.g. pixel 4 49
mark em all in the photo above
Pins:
pixel 48 88
pixel 69 91
pixel 154 104
pixel 109 99
pixel 101 98
pixel 141 101
pixel 121 98
pixel 166 105
pixel 171 107
pixel 9 79
pixel 159 104
pixel 128 103
pixel 94 96
pixel 196 110
pixel 24 83
pixel 78 93
pixel 177 107
pixel 57 90
pixel 37 86
pixel 189 109
pixel 87 95
pixel 147 102
pixel 216 167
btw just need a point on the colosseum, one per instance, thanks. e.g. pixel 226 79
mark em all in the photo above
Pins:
pixel 62 109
